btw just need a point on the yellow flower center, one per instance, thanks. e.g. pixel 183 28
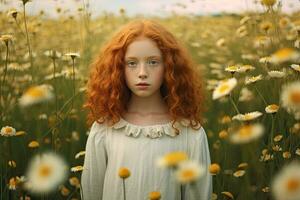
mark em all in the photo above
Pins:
pixel 124 172
pixel 273 107
pixel 248 116
pixel 12 182
pixel 8 130
pixel 284 53
pixel 33 144
pixel 268 2
pixel 154 195
pixel 35 92
pixel 175 157
pixel 45 171
pixel 293 185
pixel 295 97
pixel 188 174
pixel 224 88
pixel 245 131
pixel 214 168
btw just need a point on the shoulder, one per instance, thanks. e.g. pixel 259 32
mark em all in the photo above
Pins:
pixel 198 135
pixel 97 131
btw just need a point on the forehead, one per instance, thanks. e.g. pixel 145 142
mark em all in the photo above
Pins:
pixel 142 48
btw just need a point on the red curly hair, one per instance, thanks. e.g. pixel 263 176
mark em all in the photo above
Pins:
pixel 108 94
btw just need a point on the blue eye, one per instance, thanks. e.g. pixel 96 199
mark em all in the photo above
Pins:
pixel 131 63
pixel 153 62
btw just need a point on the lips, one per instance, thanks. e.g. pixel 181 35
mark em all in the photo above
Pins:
pixel 142 84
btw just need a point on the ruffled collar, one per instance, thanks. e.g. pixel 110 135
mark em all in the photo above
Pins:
pixel 151 131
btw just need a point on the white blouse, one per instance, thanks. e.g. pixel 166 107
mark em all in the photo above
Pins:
pixel 137 148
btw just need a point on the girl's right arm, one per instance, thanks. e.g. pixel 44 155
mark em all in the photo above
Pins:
pixel 92 177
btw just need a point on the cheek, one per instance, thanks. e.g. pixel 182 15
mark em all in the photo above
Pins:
pixel 128 77
pixel 160 75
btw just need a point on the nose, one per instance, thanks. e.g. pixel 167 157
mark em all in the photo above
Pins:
pixel 142 71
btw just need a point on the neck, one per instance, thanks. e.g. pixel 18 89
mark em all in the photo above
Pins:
pixel 151 105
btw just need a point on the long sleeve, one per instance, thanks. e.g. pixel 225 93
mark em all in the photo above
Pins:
pixel 95 162
pixel 200 152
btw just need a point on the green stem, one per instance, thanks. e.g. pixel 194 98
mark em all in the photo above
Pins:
pixel 61 119
pixel 73 76
pixel 27 37
pixel 81 193
pixel 181 192
pixel 272 132
pixel 56 102
pixel 234 105
pixel 3 81
pixel 261 96
pixel 18 25
pixel 124 193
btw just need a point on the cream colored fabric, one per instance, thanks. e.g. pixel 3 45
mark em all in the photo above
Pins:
pixel 137 148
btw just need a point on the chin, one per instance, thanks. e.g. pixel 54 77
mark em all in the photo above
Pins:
pixel 142 93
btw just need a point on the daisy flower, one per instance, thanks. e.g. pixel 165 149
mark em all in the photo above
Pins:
pixel 290 96
pixel 52 54
pixel 273 108
pixel 276 74
pixel 15 182
pixel 124 172
pixel 265 60
pixel 79 154
pixel 6 38
pixel 284 54
pixel 244 20
pixel 284 22
pixel 232 69
pixel 277 138
pixel 227 194
pixel 74 181
pixel 249 57
pixel 268 2
pixel 262 41
pixel 8 131
pixel 77 168
pixel 224 88
pixel 36 94
pixel 245 95
pixel 189 171
pixel 295 67
pixel 64 191
pixel 286 183
pixel 247 133
pixel 253 79
pixel 221 42
pixel 247 116
pixel 245 68
pixel 239 173
pixel 214 168
pixel 243 165
pixel 46 171
pixel 154 195
pixel 73 55
pixel 297 152
pixel 171 159
pixel 266 26
pixel 33 144
pixel 286 154
pixel 13 13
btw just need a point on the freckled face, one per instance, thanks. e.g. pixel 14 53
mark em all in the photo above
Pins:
pixel 144 63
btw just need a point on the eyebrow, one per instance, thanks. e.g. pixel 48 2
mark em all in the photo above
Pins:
pixel 146 57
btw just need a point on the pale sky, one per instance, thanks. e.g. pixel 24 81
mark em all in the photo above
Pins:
pixel 149 7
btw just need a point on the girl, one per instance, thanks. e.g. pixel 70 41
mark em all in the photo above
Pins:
pixel 145 100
